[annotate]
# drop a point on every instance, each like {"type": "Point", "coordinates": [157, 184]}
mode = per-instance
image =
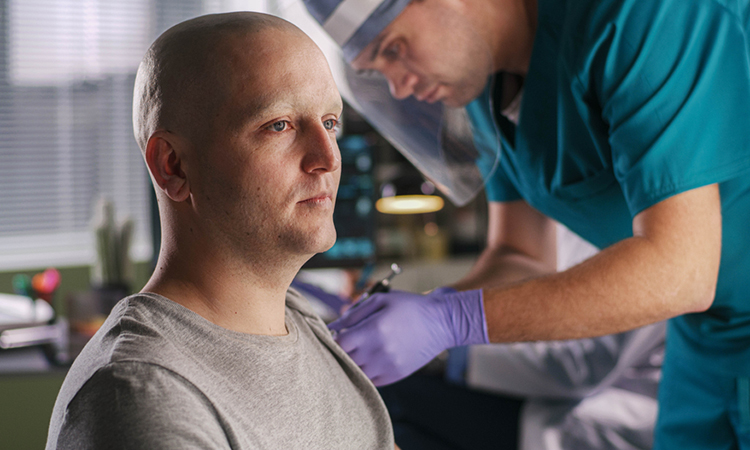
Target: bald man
{"type": "Point", "coordinates": [236, 117]}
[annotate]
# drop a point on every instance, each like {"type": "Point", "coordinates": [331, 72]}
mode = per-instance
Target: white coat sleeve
{"type": "Point", "coordinates": [563, 369]}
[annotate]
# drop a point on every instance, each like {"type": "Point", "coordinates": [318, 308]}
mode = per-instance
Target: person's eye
{"type": "Point", "coordinates": [391, 52]}
{"type": "Point", "coordinates": [368, 73]}
{"type": "Point", "coordinates": [331, 124]}
{"type": "Point", "coordinates": [279, 126]}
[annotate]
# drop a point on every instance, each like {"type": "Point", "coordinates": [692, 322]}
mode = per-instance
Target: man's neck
{"type": "Point", "coordinates": [509, 27]}
{"type": "Point", "coordinates": [241, 296]}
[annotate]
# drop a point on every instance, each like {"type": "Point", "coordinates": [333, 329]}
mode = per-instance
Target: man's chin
{"type": "Point", "coordinates": [463, 95]}
{"type": "Point", "coordinates": [321, 243]}
{"type": "Point", "coordinates": [459, 102]}
{"type": "Point", "coordinates": [329, 244]}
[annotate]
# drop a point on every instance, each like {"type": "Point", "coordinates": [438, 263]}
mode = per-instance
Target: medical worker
{"type": "Point", "coordinates": [633, 131]}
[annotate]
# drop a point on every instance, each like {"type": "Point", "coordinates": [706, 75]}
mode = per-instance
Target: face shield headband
{"type": "Point", "coordinates": [353, 24]}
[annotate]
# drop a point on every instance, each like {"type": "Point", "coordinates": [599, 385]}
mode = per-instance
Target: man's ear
{"type": "Point", "coordinates": [165, 165]}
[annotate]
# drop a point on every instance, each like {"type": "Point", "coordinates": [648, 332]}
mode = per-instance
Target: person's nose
{"type": "Point", "coordinates": [322, 153]}
{"type": "Point", "coordinates": [401, 82]}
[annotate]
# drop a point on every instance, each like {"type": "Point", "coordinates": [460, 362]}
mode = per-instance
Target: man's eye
{"type": "Point", "coordinates": [369, 73]}
{"type": "Point", "coordinates": [330, 124]}
{"type": "Point", "coordinates": [392, 52]}
{"type": "Point", "coordinates": [278, 126]}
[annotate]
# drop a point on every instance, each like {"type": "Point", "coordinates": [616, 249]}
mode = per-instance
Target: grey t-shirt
{"type": "Point", "coordinates": [159, 376]}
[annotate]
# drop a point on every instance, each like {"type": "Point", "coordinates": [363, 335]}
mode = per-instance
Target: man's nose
{"type": "Point", "coordinates": [401, 82]}
{"type": "Point", "coordinates": [322, 152]}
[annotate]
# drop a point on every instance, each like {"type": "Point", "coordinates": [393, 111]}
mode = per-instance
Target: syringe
{"type": "Point", "coordinates": [383, 285]}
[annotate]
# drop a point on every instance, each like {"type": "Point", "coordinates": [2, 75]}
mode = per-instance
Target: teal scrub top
{"type": "Point", "coordinates": [629, 102]}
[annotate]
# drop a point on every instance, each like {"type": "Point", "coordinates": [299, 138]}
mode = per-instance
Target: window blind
{"type": "Point", "coordinates": [67, 69]}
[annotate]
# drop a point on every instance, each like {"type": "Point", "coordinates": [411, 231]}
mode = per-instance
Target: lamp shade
{"type": "Point", "coordinates": [408, 194]}
{"type": "Point", "coordinates": [409, 204]}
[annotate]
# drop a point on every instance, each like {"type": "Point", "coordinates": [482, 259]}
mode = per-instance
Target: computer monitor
{"type": "Point", "coordinates": [354, 215]}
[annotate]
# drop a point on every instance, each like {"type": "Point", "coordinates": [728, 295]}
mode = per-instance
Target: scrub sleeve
{"type": "Point", "coordinates": [627, 103]}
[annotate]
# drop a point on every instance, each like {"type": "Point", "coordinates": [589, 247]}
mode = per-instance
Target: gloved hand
{"type": "Point", "coordinates": [442, 290]}
{"type": "Point", "coordinates": [391, 335]}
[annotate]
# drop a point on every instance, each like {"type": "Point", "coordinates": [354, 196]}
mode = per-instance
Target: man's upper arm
{"type": "Point", "coordinates": [134, 405]}
{"type": "Point", "coordinates": [520, 245]}
{"type": "Point", "coordinates": [686, 228]}
{"type": "Point", "coordinates": [517, 226]}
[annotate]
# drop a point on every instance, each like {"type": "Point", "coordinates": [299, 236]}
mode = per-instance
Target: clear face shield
{"type": "Point", "coordinates": [440, 140]}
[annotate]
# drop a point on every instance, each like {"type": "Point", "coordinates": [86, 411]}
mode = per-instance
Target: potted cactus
{"type": "Point", "coordinates": [112, 272]}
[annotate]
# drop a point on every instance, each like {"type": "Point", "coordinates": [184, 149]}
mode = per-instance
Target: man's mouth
{"type": "Point", "coordinates": [428, 95]}
{"type": "Point", "coordinates": [319, 199]}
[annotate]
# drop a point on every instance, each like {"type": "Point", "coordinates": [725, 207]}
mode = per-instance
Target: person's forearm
{"type": "Point", "coordinates": [502, 266]}
{"type": "Point", "coordinates": [630, 284]}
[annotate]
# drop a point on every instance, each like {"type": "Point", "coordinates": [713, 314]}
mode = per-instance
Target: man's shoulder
{"type": "Point", "coordinates": [126, 379]}
{"type": "Point", "coordinates": [130, 404]}
{"type": "Point", "coordinates": [134, 331]}
{"type": "Point", "coordinates": [631, 21]}
{"type": "Point", "coordinates": [133, 344]}
{"type": "Point", "coordinates": [151, 329]}
{"type": "Point", "coordinates": [141, 327]}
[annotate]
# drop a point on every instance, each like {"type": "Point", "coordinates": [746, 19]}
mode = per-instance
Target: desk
{"type": "Point", "coordinates": [28, 389]}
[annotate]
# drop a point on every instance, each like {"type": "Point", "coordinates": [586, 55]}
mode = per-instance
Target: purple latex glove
{"type": "Point", "coordinates": [391, 335]}
{"type": "Point", "coordinates": [442, 290]}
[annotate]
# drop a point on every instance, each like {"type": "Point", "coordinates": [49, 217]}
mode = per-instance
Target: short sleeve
{"type": "Point", "coordinates": [674, 87]}
{"type": "Point", "coordinates": [132, 405]}
{"type": "Point", "coordinates": [499, 188]}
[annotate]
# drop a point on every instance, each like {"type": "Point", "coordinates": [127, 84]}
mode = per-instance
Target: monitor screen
{"type": "Point", "coordinates": [354, 215]}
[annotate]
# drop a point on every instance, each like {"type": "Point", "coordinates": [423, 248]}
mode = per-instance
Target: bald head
{"type": "Point", "coordinates": [183, 79]}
